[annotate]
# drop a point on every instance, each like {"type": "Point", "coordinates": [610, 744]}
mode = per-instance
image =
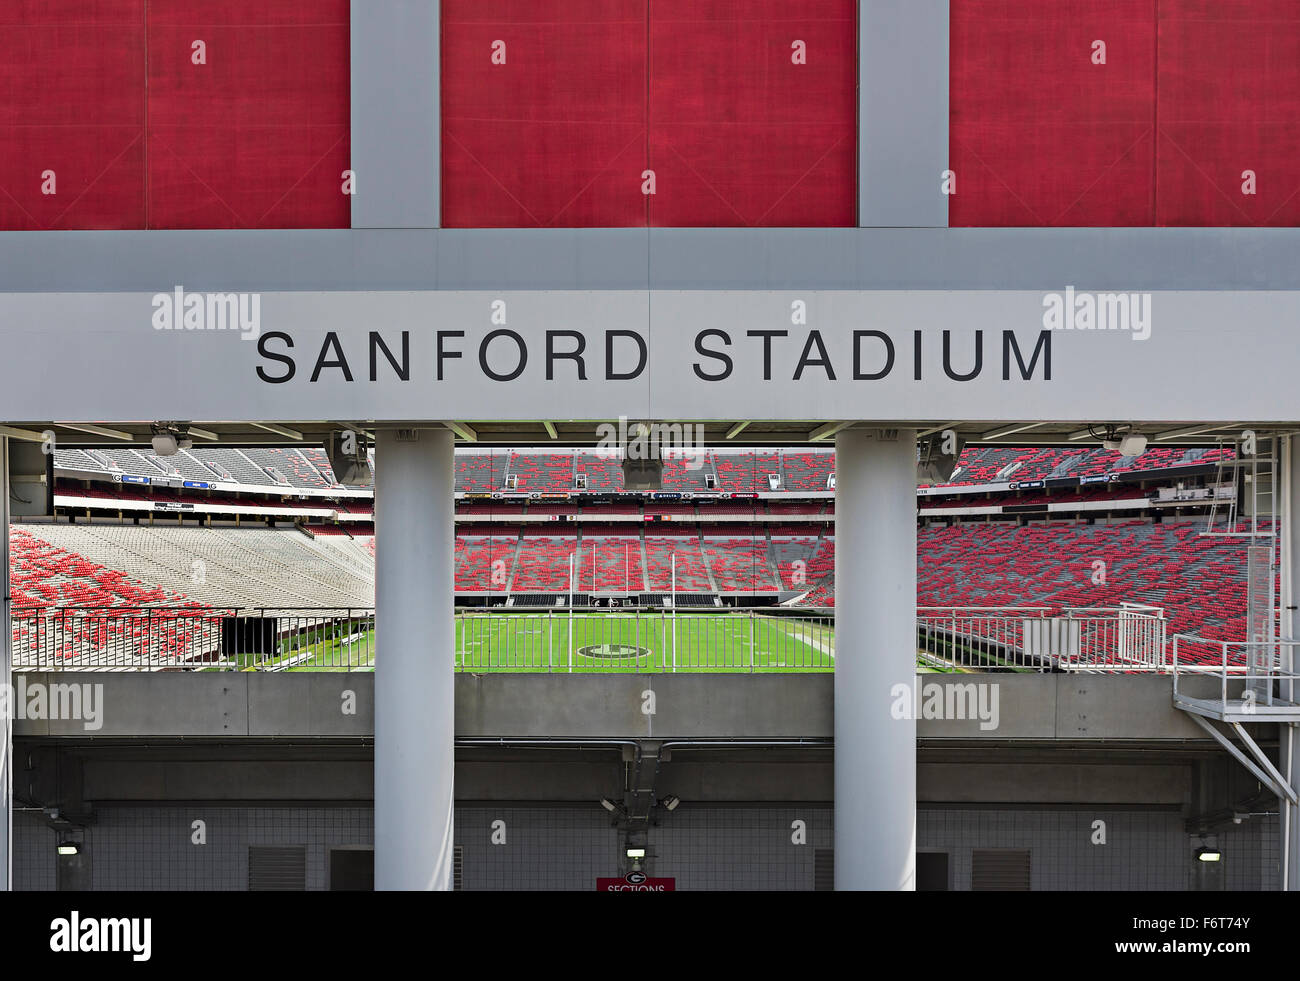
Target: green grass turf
{"type": "Point", "coordinates": [542, 642]}
{"type": "Point", "coordinates": [702, 642]}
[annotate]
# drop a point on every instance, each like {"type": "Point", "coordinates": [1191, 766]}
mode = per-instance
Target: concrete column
{"type": "Point", "coordinates": [415, 635]}
{"type": "Point", "coordinates": [6, 679]}
{"type": "Point", "coordinates": [875, 654]}
{"type": "Point", "coordinates": [1288, 736]}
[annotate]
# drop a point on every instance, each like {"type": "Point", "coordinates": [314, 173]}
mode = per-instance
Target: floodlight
{"type": "Point", "coordinates": [69, 848]}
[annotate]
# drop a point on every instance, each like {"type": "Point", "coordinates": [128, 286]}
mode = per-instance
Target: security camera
{"type": "Point", "coordinates": [165, 444]}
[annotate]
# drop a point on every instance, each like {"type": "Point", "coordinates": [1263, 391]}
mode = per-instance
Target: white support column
{"type": "Point", "coordinates": [415, 636]}
{"type": "Point", "coordinates": [6, 679]}
{"type": "Point", "coordinates": [1288, 734]}
{"type": "Point", "coordinates": [875, 654]}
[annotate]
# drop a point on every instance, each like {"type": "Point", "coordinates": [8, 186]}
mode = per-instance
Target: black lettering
{"type": "Point", "coordinates": [552, 355]}
{"type": "Point", "coordinates": [947, 357]}
{"type": "Point", "coordinates": [441, 354]}
{"type": "Point", "coordinates": [716, 355]}
{"type": "Point", "coordinates": [767, 336]}
{"type": "Point", "coordinates": [1044, 346]}
{"type": "Point", "coordinates": [331, 341]}
{"type": "Point", "coordinates": [814, 337]}
{"type": "Point", "coordinates": [643, 356]}
{"type": "Point", "coordinates": [857, 355]}
{"type": "Point", "coordinates": [377, 344]}
{"type": "Point", "coordinates": [523, 355]}
{"type": "Point", "coordinates": [284, 358]}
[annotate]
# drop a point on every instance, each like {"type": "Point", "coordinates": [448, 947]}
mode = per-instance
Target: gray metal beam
{"type": "Point", "coordinates": [902, 112]}
{"type": "Point", "coordinates": [658, 258]}
{"type": "Point", "coordinates": [396, 113]}
{"type": "Point", "coordinates": [1282, 791]}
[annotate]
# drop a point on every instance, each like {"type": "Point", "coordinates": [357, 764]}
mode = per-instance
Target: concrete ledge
{"type": "Point", "coordinates": [685, 706]}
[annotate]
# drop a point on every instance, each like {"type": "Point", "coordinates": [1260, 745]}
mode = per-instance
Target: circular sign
{"type": "Point", "coordinates": [613, 651]}
{"type": "Point", "coordinates": [636, 878]}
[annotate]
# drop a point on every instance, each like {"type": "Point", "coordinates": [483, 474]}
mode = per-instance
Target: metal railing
{"type": "Point", "coordinates": [156, 638]}
{"type": "Point", "coordinates": [1268, 678]}
{"type": "Point", "coordinates": [1037, 638]}
{"type": "Point", "coordinates": [583, 640]}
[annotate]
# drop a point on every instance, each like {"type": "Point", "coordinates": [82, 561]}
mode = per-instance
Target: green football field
{"type": "Point", "coordinates": [622, 642]}
{"type": "Point", "coordinates": [595, 642]}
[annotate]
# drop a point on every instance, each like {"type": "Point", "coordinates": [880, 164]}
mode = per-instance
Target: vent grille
{"type": "Point", "coordinates": [277, 869]}
{"type": "Point", "coordinates": [824, 870]}
{"type": "Point", "coordinates": [1000, 870]}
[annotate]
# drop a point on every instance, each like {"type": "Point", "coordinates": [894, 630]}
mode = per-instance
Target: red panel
{"type": "Point", "coordinates": [740, 134]}
{"type": "Point", "coordinates": [258, 136]}
{"type": "Point", "coordinates": [1229, 102]}
{"type": "Point", "coordinates": [71, 74]}
{"type": "Point", "coordinates": [1040, 135]}
{"type": "Point", "coordinates": [556, 136]}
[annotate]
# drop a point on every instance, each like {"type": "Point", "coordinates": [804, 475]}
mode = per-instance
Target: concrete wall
{"type": "Point", "coordinates": [686, 706]}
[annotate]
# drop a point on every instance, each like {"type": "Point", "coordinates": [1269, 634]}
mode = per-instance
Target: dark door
{"type": "Point", "coordinates": [931, 871]}
{"type": "Point", "coordinates": [352, 870]}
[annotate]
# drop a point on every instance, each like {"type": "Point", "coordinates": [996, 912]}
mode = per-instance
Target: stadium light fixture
{"type": "Point", "coordinates": [636, 854]}
{"type": "Point", "coordinates": [169, 437]}
{"type": "Point", "coordinates": [69, 848]}
{"type": "Point", "coordinates": [1206, 854]}
{"type": "Point", "coordinates": [1132, 444]}
{"type": "Point", "coordinates": [608, 805]}
{"type": "Point", "coordinates": [1123, 439]}
{"type": "Point", "coordinates": [671, 802]}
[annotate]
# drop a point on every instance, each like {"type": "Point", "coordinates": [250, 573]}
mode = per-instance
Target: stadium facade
{"type": "Point", "coordinates": [895, 226]}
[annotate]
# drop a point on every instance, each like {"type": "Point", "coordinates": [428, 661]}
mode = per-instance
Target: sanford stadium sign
{"type": "Point", "coordinates": [504, 355]}
{"type": "Point", "coordinates": [1015, 355]}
